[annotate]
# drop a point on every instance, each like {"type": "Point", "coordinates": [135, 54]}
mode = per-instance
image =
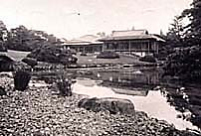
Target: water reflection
{"type": "Point", "coordinates": [128, 78]}
{"type": "Point", "coordinates": [145, 87]}
{"type": "Point", "coordinates": [138, 83]}
{"type": "Point", "coordinates": [154, 103]}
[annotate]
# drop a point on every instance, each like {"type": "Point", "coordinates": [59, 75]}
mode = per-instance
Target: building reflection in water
{"type": "Point", "coordinates": [129, 81]}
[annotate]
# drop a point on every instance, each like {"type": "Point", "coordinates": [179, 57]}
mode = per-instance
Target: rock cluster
{"type": "Point", "coordinates": [39, 112]}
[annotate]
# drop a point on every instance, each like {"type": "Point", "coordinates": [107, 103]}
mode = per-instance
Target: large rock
{"type": "Point", "coordinates": [113, 105]}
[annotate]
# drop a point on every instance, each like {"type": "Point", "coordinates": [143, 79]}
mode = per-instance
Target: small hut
{"type": "Point", "coordinates": [6, 63]}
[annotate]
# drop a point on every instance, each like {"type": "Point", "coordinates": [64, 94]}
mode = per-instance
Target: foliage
{"type": "Point", "coordinates": [23, 39]}
{"type": "Point", "coordinates": [83, 54]}
{"type": "Point", "coordinates": [30, 61]}
{"type": "Point", "coordinates": [185, 61]}
{"type": "Point", "coordinates": [193, 29]}
{"type": "Point", "coordinates": [2, 91]}
{"type": "Point", "coordinates": [3, 36]}
{"type": "Point", "coordinates": [21, 80]}
{"type": "Point", "coordinates": [6, 63]}
{"type": "Point", "coordinates": [53, 54]}
{"type": "Point", "coordinates": [108, 55]}
{"type": "Point", "coordinates": [148, 58]}
{"type": "Point", "coordinates": [64, 86]}
{"type": "Point", "coordinates": [174, 36]}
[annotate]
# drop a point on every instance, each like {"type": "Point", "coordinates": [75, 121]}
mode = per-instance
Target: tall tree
{"type": "Point", "coordinates": [186, 63]}
{"type": "Point", "coordinates": [3, 36]}
{"type": "Point", "coordinates": [23, 39]}
{"type": "Point", "coordinates": [17, 38]}
{"type": "Point", "coordinates": [193, 29]}
{"type": "Point", "coordinates": [175, 34]}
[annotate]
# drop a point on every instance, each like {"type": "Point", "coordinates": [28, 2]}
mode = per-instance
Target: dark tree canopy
{"type": "Point", "coordinates": [193, 29]}
{"type": "Point", "coordinates": [3, 36]}
{"type": "Point", "coordinates": [23, 39]}
{"type": "Point", "coordinates": [185, 62]}
{"type": "Point", "coordinates": [174, 36]}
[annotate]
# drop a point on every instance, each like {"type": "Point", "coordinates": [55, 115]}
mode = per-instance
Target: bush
{"type": "Point", "coordinates": [2, 91]}
{"type": "Point", "coordinates": [64, 86]}
{"type": "Point", "coordinates": [148, 58]}
{"type": "Point", "coordinates": [3, 48]}
{"type": "Point", "coordinates": [185, 64]}
{"type": "Point", "coordinates": [83, 54]}
{"type": "Point", "coordinates": [6, 63]}
{"type": "Point", "coordinates": [30, 61]}
{"type": "Point", "coordinates": [53, 54]}
{"type": "Point", "coordinates": [21, 80]}
{"type": "Point", "coordinates": [108, 55]}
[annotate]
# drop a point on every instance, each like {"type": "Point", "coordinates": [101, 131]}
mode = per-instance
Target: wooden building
{"type": "Point", "coordinates": [132, 41]}
{"type": "Point", "coordinates": [85, 44]}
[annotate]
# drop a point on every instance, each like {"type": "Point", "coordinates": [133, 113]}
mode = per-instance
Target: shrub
{"type": "Point", "coordinates": [64, 86]}
{"type": "Point", "coordinates": [3, 47]}
{"type": "Point", "coordinates": [53, 54]}
{"type": "Point", "coordinates": [83, 54]}
{"type": "Point", "coordinates": [148, 58]}
{"type": "Point", "coordinates": [21, 80]}
{"type": "Point", "coordinates": [108, 55]}
{"type": "Point", "coordinates": [185, 64]}
{"type": "Point", "coordinates": [30, 61]}
{"type": "Point", "coordinates": [2, 91]}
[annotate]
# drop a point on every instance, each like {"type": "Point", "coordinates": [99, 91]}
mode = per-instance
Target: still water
{"type": "Point", "coordinates": [139, 86]}
{"type": "Point", "coordinates": [145, 87]}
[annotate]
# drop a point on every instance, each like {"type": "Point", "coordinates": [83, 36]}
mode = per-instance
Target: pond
{"type": "Point", "coordinates": [145, 87]}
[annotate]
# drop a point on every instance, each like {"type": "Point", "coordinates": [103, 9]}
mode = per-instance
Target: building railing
{"type": "Point", "coordinates": [130, 50]}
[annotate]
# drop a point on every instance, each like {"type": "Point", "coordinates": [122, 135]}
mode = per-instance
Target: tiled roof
{"type": "Point", "coordinates": [85, 40]}
{"type": "Point", "coordinates": [131, 35]}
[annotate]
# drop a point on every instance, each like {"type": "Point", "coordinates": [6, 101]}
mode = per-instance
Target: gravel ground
{"type": "Point", "coordinates": [40, 112]}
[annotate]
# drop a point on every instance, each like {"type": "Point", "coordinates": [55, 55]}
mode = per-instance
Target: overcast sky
{"type": "Point", "coordinates": [74, 18]}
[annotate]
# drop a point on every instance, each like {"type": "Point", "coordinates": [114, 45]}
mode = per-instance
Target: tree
{"type": "Point", "coordinates": [23, 39]}
{"type": "Point", "coordinates": [193, 29]}
{"type": "Point", "coordinates": [3, 31]}
{"type": "Point", "coordinates": [3, 36]}
{"type": "Point", "coordinates": [175, 34]}
{"type": "Point", "coordinates": [186, 62]}
{"type": "Point", "coordinates": [17, 39]}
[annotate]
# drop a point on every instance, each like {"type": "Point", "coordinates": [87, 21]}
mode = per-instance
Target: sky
{"type": "Point", "coordinates": [74, 18]}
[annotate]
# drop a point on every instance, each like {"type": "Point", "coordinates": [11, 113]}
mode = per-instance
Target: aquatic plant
{"type": "Point", "coordinates": [64, 86]}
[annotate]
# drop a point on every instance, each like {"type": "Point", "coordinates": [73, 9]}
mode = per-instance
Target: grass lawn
{"type": "Point", "coordinates": [17, 55]}
{"type": "Point", "coordinates": [124, 59]}
{"type": "Point", "coordinates": [88, 60]}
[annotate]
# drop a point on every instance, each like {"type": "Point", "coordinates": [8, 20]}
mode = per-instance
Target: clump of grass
{"type": "Point", "coordinates": [21, 80]}
{"type": "Point", "coordinates": [64, 86]}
